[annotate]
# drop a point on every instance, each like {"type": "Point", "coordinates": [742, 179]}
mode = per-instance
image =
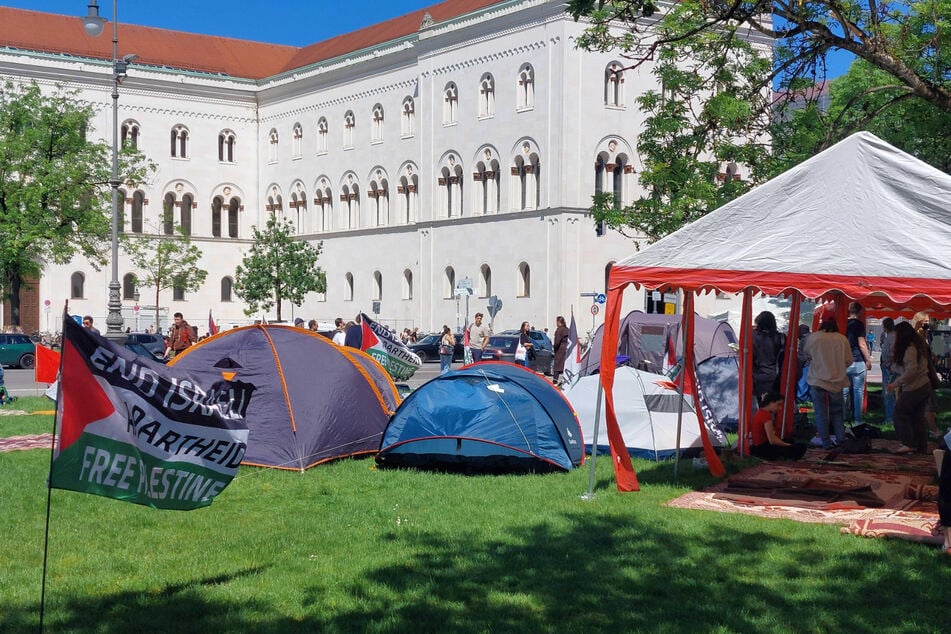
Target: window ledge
{"type": "Point", "coordinates": [611, 106]}
{"type": "Point", "coordinates": [449, 124]}
{"type": "Point", "coordinates": [525, 109]}
{"type": "Point", "coordinates": [376, 142]}
{"type": "Point", "coordinates": [483, 117]}
{"type": "Point", "coordinates": [407, 136]}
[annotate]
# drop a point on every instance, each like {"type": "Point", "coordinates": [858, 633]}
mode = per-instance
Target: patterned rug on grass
{"type": "Point", "coordinates": [875, 494]}
{"type": "Point", "coordinates": [33, 441]}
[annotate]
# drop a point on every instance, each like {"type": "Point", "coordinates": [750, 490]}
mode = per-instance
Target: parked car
{"type": "Point", "coordinates": [427, 348]}
{"type": "Point", "coordinates": [539, 338]}
{"type": "Point", "coordinates": [153, 341]}
{"type": "Point", "coordinates": [502, 348]}
{"type": "Point", "coordinates": [142, 351]}
{"type": "Point", "coordinates": [17, 350]}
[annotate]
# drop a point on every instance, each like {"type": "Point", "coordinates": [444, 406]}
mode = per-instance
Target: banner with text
{"type": "Point", "coordinates": [387, 350]}
{"type": "Point", "coordinates": [133, 429]}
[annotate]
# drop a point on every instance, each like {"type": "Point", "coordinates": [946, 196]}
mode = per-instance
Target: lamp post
{"type": "Point", "coordinates": [94, 24]}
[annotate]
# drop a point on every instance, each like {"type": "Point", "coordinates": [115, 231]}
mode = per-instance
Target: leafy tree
{"type": "Point", "coordinates": [165, 261]}
{"type": "Point", "coordinates": [278, 267]}
{"type": "Point", "coordinates": [55, 202]}
{"type": "Point", "coordinates": [698, 49]}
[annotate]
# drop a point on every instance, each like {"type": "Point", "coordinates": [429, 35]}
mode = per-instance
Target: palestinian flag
{"type": "Point", "coordinates": [378, 342]}
{"type": "Point", "coordinates": [133, 429]}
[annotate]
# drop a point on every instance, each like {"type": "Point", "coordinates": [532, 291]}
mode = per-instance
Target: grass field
{"type": "Point", "coordinates": [348, 548]}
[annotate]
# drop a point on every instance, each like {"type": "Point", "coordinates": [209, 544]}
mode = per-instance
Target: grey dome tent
{"type": "Point", "coordinates": [314, 401]}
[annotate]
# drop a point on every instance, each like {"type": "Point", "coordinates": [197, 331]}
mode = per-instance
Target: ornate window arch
{"type": "Point", "coordinates": [273, 142]}
{"type": "Point", "coordinates": [523, 282]}
{"type": "Point", "coordinates": [408, 118]}
{"type": "Point", "coordinates": [77, 285]}
{"type": "Point", "coordinates": [297, 140]}
{"type": "Point", "coordinates": [226, 140]}
{"type": "Point", "coordinates": [376, 129]}
{"type": "Point", "coordinates": [349, 123]}
{"type": "Point", "coordinates": [450, 108]}
{"type": "Point", "coordinates": [179, 141]}
{"type": "Point", "coordinates": [323, 129]}
{"type": "Point", "coordinates": [486, 96]}
{"type": "Point", "coordinates": [614, 85]}
{"type": "Point", "coordinates": [525, 88]}
{"type": "Point", "coordinates": [130, 133]}
{"type": "Point", "coordinates": [407, 284]}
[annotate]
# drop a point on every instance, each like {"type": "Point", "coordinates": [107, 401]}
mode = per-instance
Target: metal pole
{"type": "Point", "coordinates": [114, 318]}
{"type": "Point", "coordinates": [594, 443]}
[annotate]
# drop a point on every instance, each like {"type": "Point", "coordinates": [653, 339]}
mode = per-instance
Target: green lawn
{"type": "Point", "coordinates": [348, 548]}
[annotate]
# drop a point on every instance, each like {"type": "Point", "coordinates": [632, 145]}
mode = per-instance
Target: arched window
{"type": "Point", "coordinates": [524, 281]}
{"type": "Point", "coordinates": [77, 285]}
{"type": "Point", "coordinates": [350, 202]}
{"type": "Point", "coordinates": [130, 134]}
{"type": "Point", "coordinates": [234, 206]}
{"type": "Point", "coordinates": [621, 168]}
{"type": "Point", "coordinates": [486, 193]}
{"type": "Point", "coordinates": [486, 96]}
{"type": "Point", "coordinates": [379, 202]}
{"type": "Point", "coordinates": [138, 202]}
{"type": "Point", "coordinates": [450, 182]}
{"type": "Point", "coordinates": [377, 124]}
{"type": "Point", "coordinates": [216, 216]}
{"type": "Point", "coordinates": [226, 146]}
{"type": "Point", "coordinates": [186, 214]}
{"type": "Point", "coordinates": [299, 205]}
{"type": "Point", "coordinates": [128, 286]}
{"type": "Point", "coordinates": [485, 281]}
{"type": "Point", "coordinates": [407, 284]}
{"type": "Point", "coordinates": [297, 140]}
{"type": "Point", "coordinates": [324, 202]}
{"type": "Point", "coordinates": [450, 108]}
{"type": "Point", "coordinates": [408, 196]}
{"type": "Point", "coordinates": [179, 142]}
{"type": "Point", "coordinates": [408, 118]}
{"type": "Point", "coordinates": [322, 130]}
{"type": "Point", "coordinates": [377, 285]}
{"type": "Point", "coordinates": [449, 283]}
{"type": "Point", "coordinates": [227, 285]}
{"type": "Point", "coordinates": [272, 146]}
{"type": "Point", "coordinates": [168, 214]}
{"type": "Point", "coordinates": [525, 90]}
{"type": "Point", "coordinates": [525, 182]}
{"type": "Point", "coordinates": [349, 122]}
{"type": "Point", "coordinates": [614, 85]}
{"type": "Point", "coordinates": [348, 287]}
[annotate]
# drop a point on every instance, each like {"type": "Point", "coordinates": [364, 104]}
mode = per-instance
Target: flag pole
{"type": "Point", "coordinates": [49, 488]}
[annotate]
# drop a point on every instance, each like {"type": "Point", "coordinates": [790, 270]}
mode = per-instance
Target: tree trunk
{"type": "Point", "coordinates": [158, 329]}
{"type": "Point", "coordinates": [277, 300]}
{"type": "Point", "coordinates": [13, 283]}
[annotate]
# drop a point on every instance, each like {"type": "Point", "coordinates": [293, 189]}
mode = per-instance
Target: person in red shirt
{"type": "Point", "coordinates": [766, 442]}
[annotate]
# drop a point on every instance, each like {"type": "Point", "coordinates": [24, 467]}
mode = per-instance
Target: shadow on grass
{"type": "Point", "coordinates": [588, 573]}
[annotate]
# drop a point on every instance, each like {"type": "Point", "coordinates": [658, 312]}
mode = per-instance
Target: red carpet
{"type": "Point", "coordinates": [875, 494]}
{"type": "Point", "coordinates": [34, 441]}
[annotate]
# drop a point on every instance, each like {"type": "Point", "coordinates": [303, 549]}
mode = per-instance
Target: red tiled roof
{"type": "Point", "coordinates": [392, 29]}
{"type": "Point", "coordinates": [48, 32]}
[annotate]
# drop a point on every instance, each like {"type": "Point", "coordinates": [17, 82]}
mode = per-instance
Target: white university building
{"type": "Point", "coordinates": [461, 141]}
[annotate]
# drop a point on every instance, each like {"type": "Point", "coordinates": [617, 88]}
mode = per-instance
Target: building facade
{"type": "Point", "coordinates": [458, 146]}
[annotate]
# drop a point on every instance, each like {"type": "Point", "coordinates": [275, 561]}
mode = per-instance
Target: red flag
{"type": "Point", "coordinates": [47, 365]}
{"type": "Point", "coordinates": [212, 326]}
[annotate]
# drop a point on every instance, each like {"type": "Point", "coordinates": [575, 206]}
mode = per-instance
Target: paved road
{"type": "Point", "coordinates": [20, 383]}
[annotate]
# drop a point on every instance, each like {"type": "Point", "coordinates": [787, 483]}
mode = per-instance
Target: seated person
{"type": "Point", "coordinates": [766, 442]}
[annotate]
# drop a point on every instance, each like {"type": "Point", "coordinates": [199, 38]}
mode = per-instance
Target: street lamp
{"type": "Point", "coordinates": [94, 24]}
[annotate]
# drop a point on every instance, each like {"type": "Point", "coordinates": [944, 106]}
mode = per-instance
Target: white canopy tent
{"type": "Point", "coordinates": [860, 221]}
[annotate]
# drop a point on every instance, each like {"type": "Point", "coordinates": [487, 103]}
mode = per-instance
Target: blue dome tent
{"type": "Point", "coordinates": [490, 417]}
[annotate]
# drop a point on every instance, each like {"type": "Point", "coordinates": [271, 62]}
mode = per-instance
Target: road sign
{"type": "Point", "coordinates": [601, 298]}
{"type": "Point", "coordinates": [594, 309]}
{"type": "Point", "coordinates": [495, 305]}
{"type": "Point", "coordinates": [376, 308]}
{"type": "Point", "coordinates": [136, 308]}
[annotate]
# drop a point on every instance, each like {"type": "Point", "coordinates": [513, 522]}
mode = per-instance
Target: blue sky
{"type": "Point", "coordinates": [296, 23]}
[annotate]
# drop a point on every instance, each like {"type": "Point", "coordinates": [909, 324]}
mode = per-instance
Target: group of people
{"type": "Point", "coordinates": [180, 335]}
{"type": "Point", "coordinates": [835, 367]}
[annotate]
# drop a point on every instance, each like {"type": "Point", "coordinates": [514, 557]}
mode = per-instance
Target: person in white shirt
{"type": "Point", "coordinates": [340, 335]}
{"type": "Point", "coordinates": [479, 334]}
{"type": "Point", "coordinates": [829, 355]}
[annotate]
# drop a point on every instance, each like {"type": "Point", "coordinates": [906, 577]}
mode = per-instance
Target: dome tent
{"type": "Point", "coordinates": [489, 417]}
{"type": "Point", "coordinates": [314, 401]}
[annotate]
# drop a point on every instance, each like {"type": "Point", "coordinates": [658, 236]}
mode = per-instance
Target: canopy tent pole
{"type": "Point", "coordinates": [789, 376]}
{"type": "Point", "coordinates": [690, 381]}
{"type": "Point", "coordinates": [746, 368]}
{"type": "Point", "coordinates": [594, 443]}
{"type": "Point", "coordinates": [623, 468]}
{"type": "Point", "coordinates": [680, 388]}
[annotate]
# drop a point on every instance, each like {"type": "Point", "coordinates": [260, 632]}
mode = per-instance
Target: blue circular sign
{"type": "Point", "coordinates": [601, 298]}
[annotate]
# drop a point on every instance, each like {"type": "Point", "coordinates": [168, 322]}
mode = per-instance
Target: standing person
{"type": "Point", "coordinates": [885, 345]}
{"type": "Point", "coordinates": [353, 335]}
{"type": "Point", "coordinates": [769, 346]}
{"type": "Point", "coordinates": [861, 362]}
{"type": "Point", "coordinates": [560, 345]}
{"type": "Point", "coordinates": [479, 334]}
{"type": "Point", "coordinates": [830, 354]}
{"type": "Point", "coordinates": [525, 340]}
{"type": "Point", "coordinates": [340, 334]}
{"type": "Point", "coordinates": [912, 353]}
{"type": "Point", "coordinates": [922, 323]}
{"type": "Point", "coordinates": [766, 442]}
{"type": "Point", "coordinates": [447, 345]}
{"type": "Point", "coordinates": [180, 337]}
{"type": "Point", "coordinates": [87, 324]}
